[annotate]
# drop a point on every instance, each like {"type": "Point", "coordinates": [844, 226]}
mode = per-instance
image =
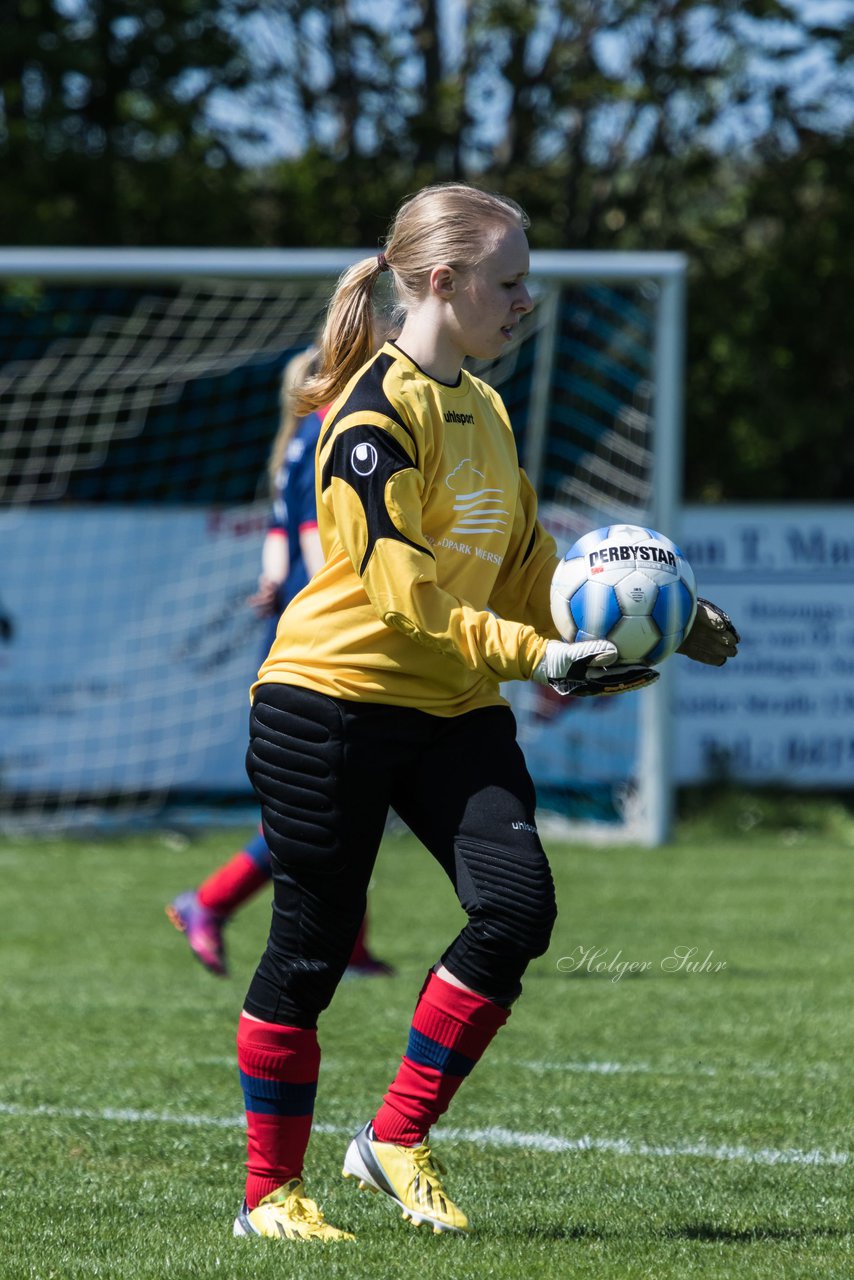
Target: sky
{"type": "Point", "coordinates": [822, 93]}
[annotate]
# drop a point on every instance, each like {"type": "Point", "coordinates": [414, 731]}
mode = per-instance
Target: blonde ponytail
{"type": "Point", "coordinates": [348, 338]}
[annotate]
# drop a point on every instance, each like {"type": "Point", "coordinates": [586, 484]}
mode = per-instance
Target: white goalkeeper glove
{"type": "Point", "coordinates": [589, 669]}
{"type": "Point", "coordinates": [712, 638]}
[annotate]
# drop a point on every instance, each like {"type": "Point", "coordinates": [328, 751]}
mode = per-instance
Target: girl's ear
{"type": "Point", "coordinates": [443, 281]}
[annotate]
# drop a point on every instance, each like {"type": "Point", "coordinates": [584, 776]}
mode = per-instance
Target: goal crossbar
{"type": "Point", "coordinates": [246, 264]}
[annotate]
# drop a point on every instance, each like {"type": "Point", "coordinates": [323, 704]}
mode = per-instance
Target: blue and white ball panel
{"type": "Point", "coordinates": [674, 609]}
{"type": "Point", "coordinates": [635, 637]}
{"type": "Point", "coordinates": [588, 542]}
{"type": "Point", "coordinates": [686, 576]}
{"type": "Point", "coordinates": [637, 591]}
{"type": "Point", "coordinates": [595, 611]}
{"type": "Point", "coordinates": [673, 614]}
{"type": "Point", "coordinates": [570, 574]}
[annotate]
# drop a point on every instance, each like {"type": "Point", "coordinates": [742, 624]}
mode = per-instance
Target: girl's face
{"type": "Point", "coordinates": [492, 297]}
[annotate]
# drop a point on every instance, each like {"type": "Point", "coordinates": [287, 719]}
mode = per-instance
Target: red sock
{"type": "Point", "coordinates": [231, 884]}
{"type": "Point", "coordinates": [450, 1030]}
{"type": "Point", "coordinates": [360, 953]}
{"type": "Point", "coordinates": [278, 1074]}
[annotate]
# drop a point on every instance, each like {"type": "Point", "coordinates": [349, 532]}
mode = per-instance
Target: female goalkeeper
{"type": "Point", "coordinates": [382, 689]}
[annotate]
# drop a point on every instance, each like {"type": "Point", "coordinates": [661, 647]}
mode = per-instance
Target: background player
{"type": "Point", "coordinates": [291, 554]}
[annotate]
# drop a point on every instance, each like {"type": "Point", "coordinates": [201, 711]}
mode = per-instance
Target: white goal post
{"type": "Point", "coordinates": [138, 401]}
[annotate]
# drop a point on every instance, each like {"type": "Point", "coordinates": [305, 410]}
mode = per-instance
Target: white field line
{"type": "Point", "coordinates": [491, 1137]}
{"type": "Point", "coordinates": [571, 1068]}
{"type": "Point", "coordinates": [645, 1069]}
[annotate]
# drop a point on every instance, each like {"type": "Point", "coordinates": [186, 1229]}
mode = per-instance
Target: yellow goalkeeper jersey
{"type": "Point", "coordinates": [436, 582]}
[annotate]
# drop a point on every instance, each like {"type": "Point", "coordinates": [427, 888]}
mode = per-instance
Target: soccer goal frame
{"type": "Point", "coordinates": [653, 496]}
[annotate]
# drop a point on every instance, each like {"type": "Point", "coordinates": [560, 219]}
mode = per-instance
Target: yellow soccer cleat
{"type": "Point", "coordinates": [407, 1175]}
{"type": "Point", "coordinates": [287, 1214]}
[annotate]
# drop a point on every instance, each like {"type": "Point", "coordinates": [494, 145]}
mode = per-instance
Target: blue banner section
{"type": "Point", "coordinates": [783, 711]}
{"type": "Point", "coordinates": [130, 648]}
{"type": "Point", "coordinates": [127, 649]}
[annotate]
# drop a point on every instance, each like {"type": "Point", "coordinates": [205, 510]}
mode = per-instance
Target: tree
{"type": "Point", "coordinates": [715, 128]}
{"type": "Point", "coordinates": [615, 117]}
{"type": "Point", "coordinates": [770, 377]}
{"type": "Point", "coordinates": [105, 134]}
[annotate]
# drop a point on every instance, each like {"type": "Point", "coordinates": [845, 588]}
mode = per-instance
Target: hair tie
{"type": "Point", "coordinates": [382, 265]}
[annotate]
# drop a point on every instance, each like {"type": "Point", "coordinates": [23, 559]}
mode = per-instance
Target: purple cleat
{"type": "Point", "coordinates": [203, 929]}
{"type": "Point", "coordinates": [368, 966]}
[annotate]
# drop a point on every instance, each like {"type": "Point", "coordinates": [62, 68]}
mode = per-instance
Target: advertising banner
{"type": "Point", "coordinates": [783, 711]}
{"type": "Point", "coordinates": [127, 650]}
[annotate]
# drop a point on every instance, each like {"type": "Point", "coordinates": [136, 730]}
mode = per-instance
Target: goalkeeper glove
{"type": "Point", "coordinates": [589, 669]}
{"type": "Point", "coordinates": [713, 638]}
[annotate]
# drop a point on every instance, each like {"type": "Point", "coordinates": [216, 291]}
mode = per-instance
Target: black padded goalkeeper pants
{"type": "Point", "coordinates": [327, 771]}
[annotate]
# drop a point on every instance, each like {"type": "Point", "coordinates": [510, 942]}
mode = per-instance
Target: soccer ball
{"type": "Point", "coordinates": [629, 585]}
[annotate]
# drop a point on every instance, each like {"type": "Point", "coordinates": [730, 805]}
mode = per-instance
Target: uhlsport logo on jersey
{"type": "Point", "coordinates": [608, 557]}
{"type": "Point", "coordinates": [478, 508]}
{"type": "Point", "coordinates": [363, 459]}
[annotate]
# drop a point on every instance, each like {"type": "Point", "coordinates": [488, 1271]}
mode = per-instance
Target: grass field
{"type": "Point", "coordinates": [663, 1124]}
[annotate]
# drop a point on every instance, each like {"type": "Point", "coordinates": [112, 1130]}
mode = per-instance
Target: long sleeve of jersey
{"type": "Point", "coordinates": [373, 491]}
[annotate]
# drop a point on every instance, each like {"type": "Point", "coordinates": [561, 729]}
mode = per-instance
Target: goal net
{"type": "Point", "coordinates": [139, 397]}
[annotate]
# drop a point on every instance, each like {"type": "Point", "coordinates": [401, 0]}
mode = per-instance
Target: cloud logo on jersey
{"type": "Point", "coordinates": [477, 508]}
{"type": "Point", "coordinates": [363, 459]}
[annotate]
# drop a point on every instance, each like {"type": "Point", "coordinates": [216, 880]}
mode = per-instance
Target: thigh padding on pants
{"type": "Point", "coordinates": [294, 762]}
{"type": "Point", "coordinates": [509, 892]}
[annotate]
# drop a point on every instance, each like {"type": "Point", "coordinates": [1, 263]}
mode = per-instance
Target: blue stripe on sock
{"type": "Point", "coordinates": [426, 1052]}
{"type": "Point", "coordinates": [259, 852]}
{"type": "Point", "coordinates": [277, 1097]}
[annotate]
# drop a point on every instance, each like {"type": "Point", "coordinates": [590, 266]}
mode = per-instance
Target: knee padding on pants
{"type": "Point", "coordinates": [509, 897]}
{"type": "Point", "coordinates": [296, 989]}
